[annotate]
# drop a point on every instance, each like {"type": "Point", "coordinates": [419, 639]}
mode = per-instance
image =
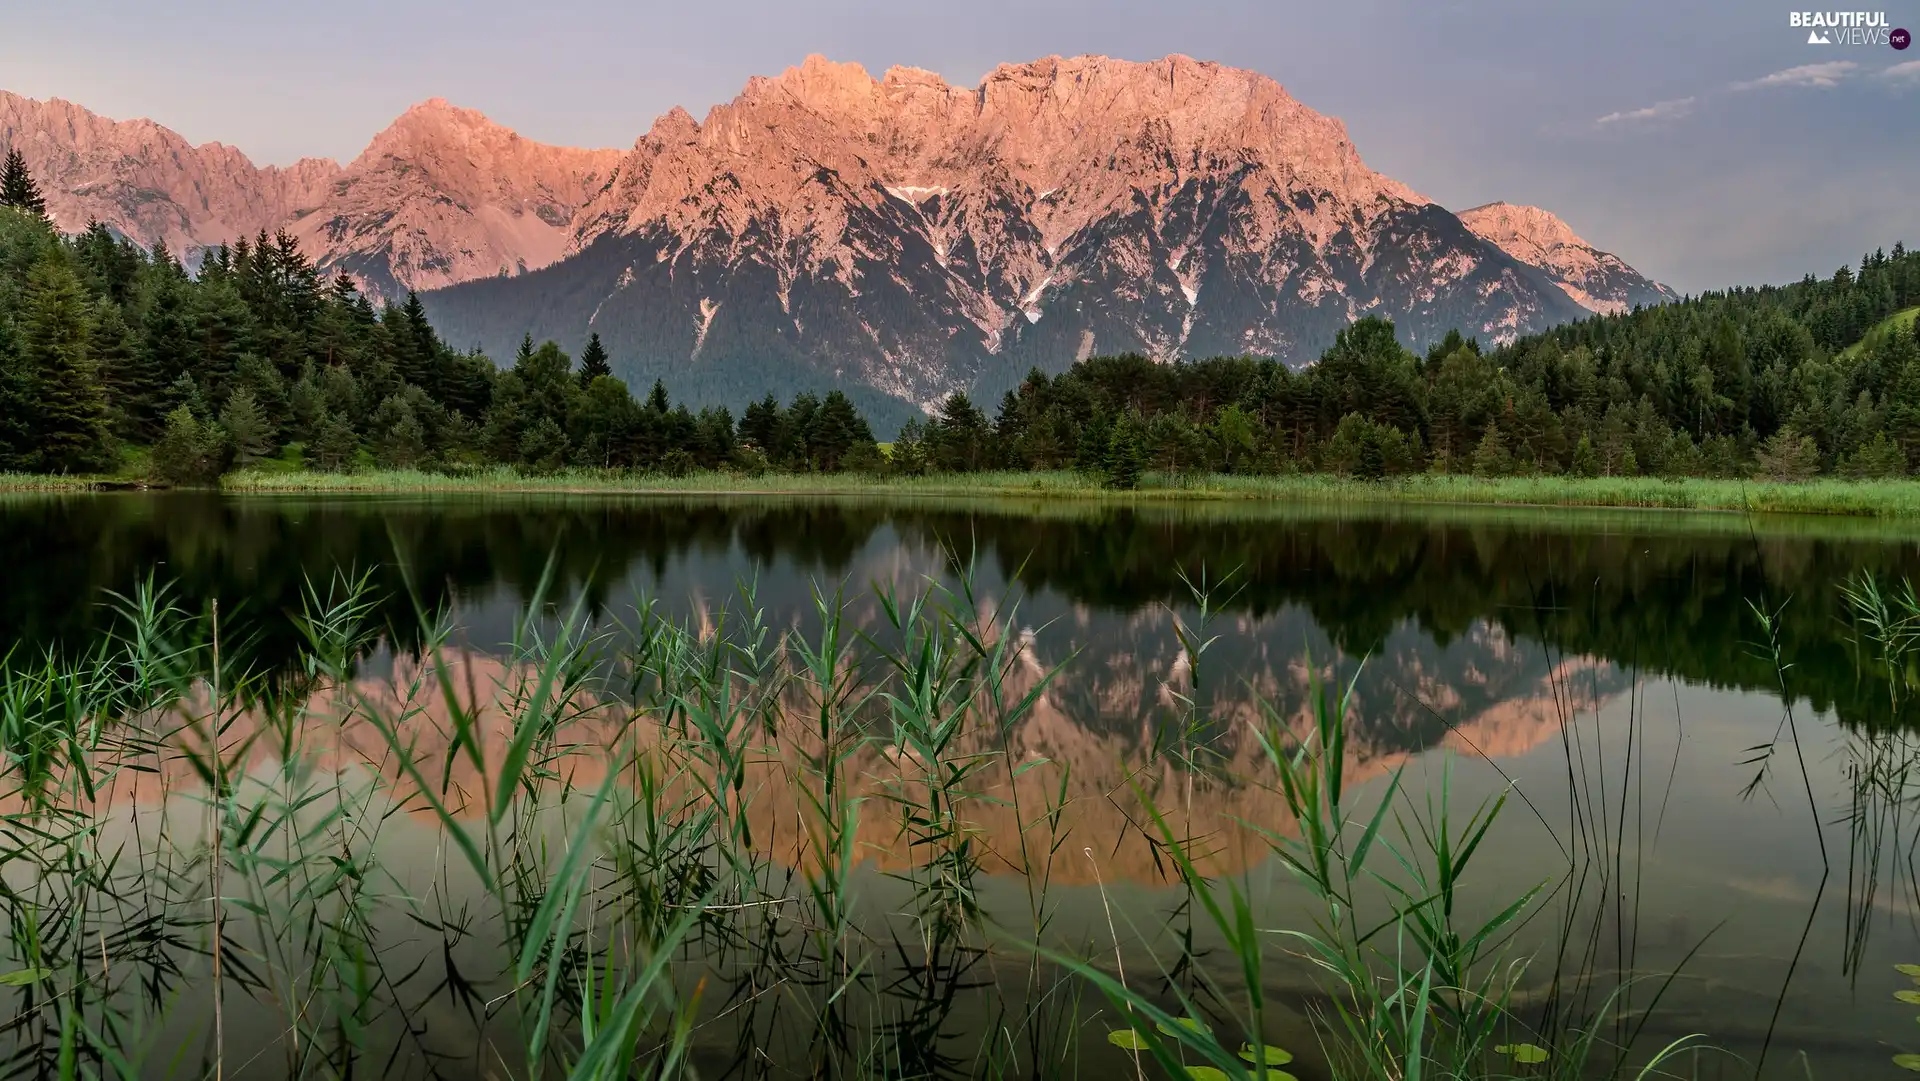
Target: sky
{"type": "Point", "coordinates": [1704, 141]}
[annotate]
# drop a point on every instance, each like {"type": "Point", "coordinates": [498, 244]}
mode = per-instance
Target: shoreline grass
{"type": "Point", "coordinates": [54, 482]}
{"type": "Point", "coordinates": [1896, 499]}
{"type": "Point", "coordinates": [1869, 498]}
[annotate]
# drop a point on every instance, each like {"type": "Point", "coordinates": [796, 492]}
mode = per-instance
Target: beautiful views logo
{"type": "Point", "coordinates": [1846, 27]}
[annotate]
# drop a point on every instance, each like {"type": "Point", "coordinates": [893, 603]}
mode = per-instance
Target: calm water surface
{"type": "Point", "coordinates": [1693, 806]}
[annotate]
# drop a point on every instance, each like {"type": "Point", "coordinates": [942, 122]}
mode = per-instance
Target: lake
{"type": "Point", "coordinates": [1708, 776]}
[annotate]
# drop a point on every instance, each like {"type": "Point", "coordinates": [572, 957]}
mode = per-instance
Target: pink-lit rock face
{"type": "Point", "coordinates": [443, 195]}
{"type": "Point", "coordinates": [1598, 280]}
{"type": "Point", "coordinates": [149, 183]}
{"type": "Point", "coordinates": [1013, 189]}
{"type": "Point", "coordinates": [901, 231]}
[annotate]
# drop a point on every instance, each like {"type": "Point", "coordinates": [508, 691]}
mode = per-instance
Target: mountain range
{"type": "Point", "coordinates": [899, 237]}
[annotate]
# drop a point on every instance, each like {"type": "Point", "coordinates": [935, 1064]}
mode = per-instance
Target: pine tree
{"type": "Point", "coordinates": [70, 425]}
{"type": "Point", "coordinates": [418, 348]}
{"type": "Point", "coordinates": [188, 451]}
{"type": "Point", "coordinates": [163, 354]}
{"type": "Point", "coordinates": [1788, 456]}
{"type": "Point", "coordinates": [833, 433]}
{"type": "Point", "coordinates": [400, 440]}
{"type": "Point", "coordinates": [1586, 463]}
{"type": "Point", "coordinates": [760, 424]}
{"type": "Point", "coordinates": [184, 391]}
{"type": "Point", "coordinates": [1879, 457]}
{"type": "Point", "coordinates": [17, 398]}
{"type": "Point", "coordinates": [544, 448]}
{"type": "Point", "coordinates": [248, 430]}
{"type": "Point", "coordinates": [593, 361]}
{"type": "Point", "coordinates": [335, 444]}
{"type": "Point", "coordinates": [17, 186]}
{"type": "Point", "coordinates": [131, 394]}
{"type": "Point", "coordinates": [1126, 456]}
{"type": "Point", "coordinates": [1491, 458]}
{"type": "Point", "coordinates": [403, 445]}
{"type": "Point", "coordinates": [657, 400]}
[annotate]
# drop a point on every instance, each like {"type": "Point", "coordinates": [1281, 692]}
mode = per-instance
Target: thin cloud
{"type": "Point", "coordinates": [1908, 72]}
{"type": "Point", "coordinates": [1659, 110]}
{"type": "Point", "coordinates": [1819, 76]}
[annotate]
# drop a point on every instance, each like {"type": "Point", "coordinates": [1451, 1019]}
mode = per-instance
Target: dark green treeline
{"type": "Point", "coordinates": [107, 350]}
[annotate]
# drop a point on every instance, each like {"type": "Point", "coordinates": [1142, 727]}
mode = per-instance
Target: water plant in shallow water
{"type": "Point", "coordinates": [642, 841]}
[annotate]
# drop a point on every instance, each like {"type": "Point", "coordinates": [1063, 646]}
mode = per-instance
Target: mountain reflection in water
{"type": "Point", "coordinates": [1601, 670]}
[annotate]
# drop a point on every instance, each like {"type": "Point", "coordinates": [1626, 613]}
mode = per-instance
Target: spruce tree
{"type": "Point", "coordinates": [832, 434]}
{"type": "Point", "coordinates": [248, 430]}
{"type": "Point", "coordinates": [1491, 458]}
{"type": "Point", "coordinates": [400, 440]}
{"type": "Point", "coordinates": [760, 424]}
{"type": "Point", "coordinates": [1126, 456]}
{"type": "Point", "coordinates": [544, 448]}
{"type": "Point", "coordinates": [418, 348]}
{"type": "Point", "coordinates": [17, 186]}
{"type": "Point", "coordinates": [132, 394]}
{"type": "Point", "coordinates": [165, 351]}
{"type": "Point", "coordinates": [1586, 463]}
{"type": "Point", "coordinates": [334, 445]}
{"type": "Point", "coordinates": [188, 452]}
{"type": "Point", "coordinates": [70, 423]}
{"type": "Point", "coordinates": [1788, 456]}
{"type": "Point", "coordinates": [593, 361]}
{"type": "Point", "coordinates": [17, 396]}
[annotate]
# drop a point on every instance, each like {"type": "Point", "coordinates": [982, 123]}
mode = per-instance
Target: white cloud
{"type": "Point", "coordinates": [1821, 76]}
{"type": "Point", "coordinates": [1824, 76]}
{"type": "Point", "coordinates": [1908, 72]}
{"type": "Point", "coordinates": [1659, 110]}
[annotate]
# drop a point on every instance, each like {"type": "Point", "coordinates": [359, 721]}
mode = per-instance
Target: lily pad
{"type": "Point", "coordinates": [1527, 1053]}
{"type": "Point", "coordinates": [24, 977]}
{"type": "Point", "coordinates": [1908, 970]}
{"type": "Point", "coordinates": [1275, 1056]}
{"type": "Point", "coordinates": [1206, 1073]}
{"type": "Point", "coordinates": [1907, 1062]}
{"type": "Point", "coordinates": [1187, 1023]}
{"type": "Point", "coordinates": [1127, 1038]}
{"type": "Point", "coordinates": [1909, 996]}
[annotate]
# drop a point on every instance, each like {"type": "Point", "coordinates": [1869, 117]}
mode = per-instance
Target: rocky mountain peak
{"type": "Point", "coordinates": [444, 195]}
{"type": "Point", "coordinates": [1599, 281]}
{"type": "Point", "coordinates": [147, 182]}
{"type": "Point", "coordinates": [902, 235]}
{"type": "Point", "coordinates": [676, 125]}
{"type": "Point", "coordinates": [1538, 233]}
{"type": "Point", "coordinates": [911, 237]}
{"type": "Point", "coordinates": [820, 84]}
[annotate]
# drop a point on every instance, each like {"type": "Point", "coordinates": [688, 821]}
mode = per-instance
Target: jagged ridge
{"type": "Point", "coordinates": [1598, 281]}
{"type": "Point", "coordinates": [898, 236]}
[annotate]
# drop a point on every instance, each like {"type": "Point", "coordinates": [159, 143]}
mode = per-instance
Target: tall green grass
{"type": "Point", "coordinates": [1825, 496]}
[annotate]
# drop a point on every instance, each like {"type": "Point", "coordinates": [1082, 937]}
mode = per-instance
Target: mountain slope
{"type": "Point", "coordinates": [1598, 281]}
{"type": "Point", "coordinates": [148, 182]}
{"type": "Point", "coordinates": [915, 237]}
{"type": "Point", "coordinates": [443, 195]}
{"type": "Point", "coordinates": [899, 237]}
